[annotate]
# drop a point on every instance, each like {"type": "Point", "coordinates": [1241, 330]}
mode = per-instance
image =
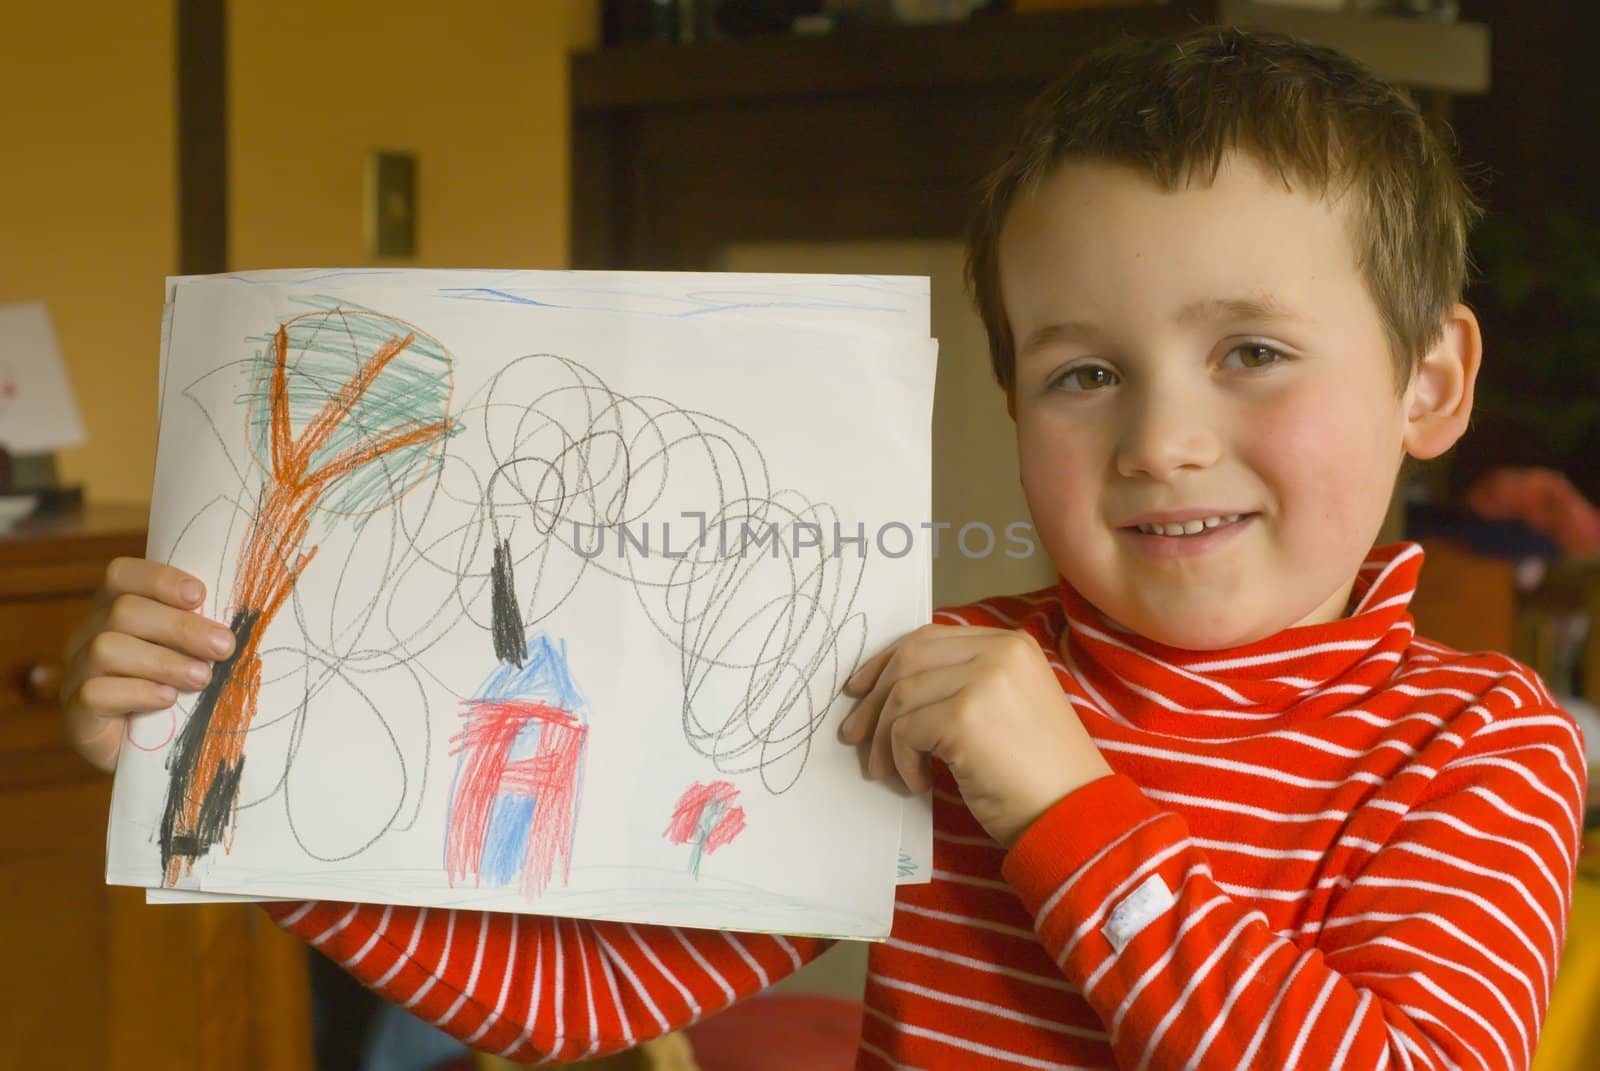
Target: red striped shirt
{"type": "Point", "coordinates": [1343, 846]}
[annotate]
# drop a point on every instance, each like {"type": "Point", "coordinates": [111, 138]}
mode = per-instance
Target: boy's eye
{"type": "Point", "coordinates": [1254, 355]}
{"type": "Point", "coordinates": [1087, 377]}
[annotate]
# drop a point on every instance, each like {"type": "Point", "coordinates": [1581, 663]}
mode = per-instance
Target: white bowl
{"type": "Point", "coordinates": [15, 506]}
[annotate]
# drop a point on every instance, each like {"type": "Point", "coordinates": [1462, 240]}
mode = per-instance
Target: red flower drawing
{"type": "Point", "coordinates": [706, 817]}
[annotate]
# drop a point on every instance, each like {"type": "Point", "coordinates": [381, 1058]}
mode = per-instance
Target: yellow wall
{"type": "Point", "coordinates": [88, 203]}
{"type": "Point", "coordinates": [477, 91]}
{"type": "Point", "coordinates": [88, 213]}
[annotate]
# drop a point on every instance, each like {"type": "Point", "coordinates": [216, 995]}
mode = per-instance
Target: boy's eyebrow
{"type": "Point", "coordinates": [1066, 331]}
{"type": "Point", "coordinates": [1262, 307]}
{"type": "Point", "coordinates": [1258, 308]}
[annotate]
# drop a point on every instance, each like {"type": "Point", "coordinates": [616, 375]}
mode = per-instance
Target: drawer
{"type": "Point", "coordinates": [32, 748]}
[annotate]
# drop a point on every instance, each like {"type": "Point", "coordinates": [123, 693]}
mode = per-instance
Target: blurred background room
{"type": "Point", "coordinates": [150, 138]}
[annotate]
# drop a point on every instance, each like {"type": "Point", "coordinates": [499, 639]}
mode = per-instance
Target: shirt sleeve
{"type": "Point", "coordinates": [533, 987]}
{"type": "Point", "coordinates": [1438, 950]}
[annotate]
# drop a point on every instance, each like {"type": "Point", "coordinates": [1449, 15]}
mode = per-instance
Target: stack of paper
{"type": "Point", "coordinates": [544, 586]}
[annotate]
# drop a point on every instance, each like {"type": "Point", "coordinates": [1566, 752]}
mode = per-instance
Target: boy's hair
{"type": "Point", "coordinates": [1173, 107]}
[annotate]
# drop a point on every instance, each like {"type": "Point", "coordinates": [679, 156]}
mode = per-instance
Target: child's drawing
{"type": "Point", "coordinates": [514, 803]}
{"type": "Point", "coordinates": [705, 818]}
{"type": "Point", "coordinates": [383, 487]}
{"type": "Point", "coordinates": [588, 470]}
{"type": "Point", "coordinates": [345, 412]}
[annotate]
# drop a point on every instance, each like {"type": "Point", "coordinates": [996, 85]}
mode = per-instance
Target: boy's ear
{"type": "Point", "coordinates": [1438, 401]}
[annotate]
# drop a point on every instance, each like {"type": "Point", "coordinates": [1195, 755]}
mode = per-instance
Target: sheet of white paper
{"type": "Point", "coordinates": [392, 620]}
{"type": "Point", "coordinates": [888, 304]}
{"type": "Point", "coordinates": [37, 410]}
{"type": "Point", "coordinates": [189, 896]}
{"type": "Point", "coordinates": [916, 841]}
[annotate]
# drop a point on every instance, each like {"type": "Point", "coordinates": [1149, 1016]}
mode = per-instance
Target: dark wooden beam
{"type": "Point", "coordinates": [202, 81]}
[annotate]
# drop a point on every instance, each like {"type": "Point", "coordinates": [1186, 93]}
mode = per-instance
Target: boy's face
{"type": "Point", "coordinates": [1203, 354]}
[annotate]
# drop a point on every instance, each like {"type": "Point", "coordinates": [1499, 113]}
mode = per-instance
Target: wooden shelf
{"type": "Point", "coordinates": [1447, 57]}
{"type": "Point", "coordinates": [998, 49]}
{"type": "Point", "coordinates": [873, 132]}
{"type": "Point", "coordinates": [871, 59]}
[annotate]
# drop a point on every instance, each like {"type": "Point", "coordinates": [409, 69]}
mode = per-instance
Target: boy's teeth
{"type": "Point", "coordinates": [1193, 527]}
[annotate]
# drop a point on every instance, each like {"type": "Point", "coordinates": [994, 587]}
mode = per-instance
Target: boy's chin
{"type": "Point", "coordinates": [1199, 628]}
{"type": "Point", "coordinates": [1208, 614]}
{"type": "Point", "coordinates": [1202, 627]}
{"type": "Point", "coordinates": [1210, 636]}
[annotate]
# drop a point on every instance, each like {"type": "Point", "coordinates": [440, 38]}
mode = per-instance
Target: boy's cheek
{"type": "Point", "coordinates": [1057, 505]}
{"type": "Point", "coordinates": [1338, 452]}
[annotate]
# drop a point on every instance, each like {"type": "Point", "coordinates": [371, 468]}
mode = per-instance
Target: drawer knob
{"type": "Point", "coordinates": [42, 683]}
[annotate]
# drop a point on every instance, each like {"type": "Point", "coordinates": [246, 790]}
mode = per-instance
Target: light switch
{"type": "Point", "coordinates": [392, 204]}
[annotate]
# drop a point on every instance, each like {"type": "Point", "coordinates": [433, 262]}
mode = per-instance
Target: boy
{"type": "Point", "coordinates": [1209, 802]}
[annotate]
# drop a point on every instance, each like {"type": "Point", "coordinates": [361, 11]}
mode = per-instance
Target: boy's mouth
{"type": "Point", "coordinates": [1191, 527]}
{"type": "Point", "coordinates": [1186, 535]}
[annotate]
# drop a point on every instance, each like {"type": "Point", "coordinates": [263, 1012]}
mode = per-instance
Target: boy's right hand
{"type": "Point", "coordinates": [140, 646]}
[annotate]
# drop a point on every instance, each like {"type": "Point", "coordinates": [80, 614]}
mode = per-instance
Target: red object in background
{"type": "Point", "coordinates": [1544, 500]}
{"type": "Point", "coordinates": [780, 1032]}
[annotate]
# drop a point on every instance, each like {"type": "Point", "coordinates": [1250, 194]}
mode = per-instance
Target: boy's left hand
{"type": "Point", "coordinates": [985, 701]}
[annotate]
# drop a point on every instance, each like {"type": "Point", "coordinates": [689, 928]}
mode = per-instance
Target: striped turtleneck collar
{"type": "Point", "coordinates": [1297, 675]}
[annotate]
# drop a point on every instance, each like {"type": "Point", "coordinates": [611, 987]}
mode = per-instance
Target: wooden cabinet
{"type": "Point", "coordinates": [93, 977]}
{"type": "Point", "coordinates": [1464, 600]}
{"type": "Point", "coordinates": [879, 133]}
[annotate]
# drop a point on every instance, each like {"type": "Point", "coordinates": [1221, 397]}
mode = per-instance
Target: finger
{"type": "Point", "coordinates": [117, 654]}
{"type": "Point", "coordinates": [904, 700]}
{"type": "Point", "coordinates": [96, 713]}
{"type": "Point", "coordinates": [858, 724]}
{"type": "Point", "coordinates": [870, 684]}
{"type": "Point", "coordinates": [916, 736]}
{"type": "Point", "coordinates": [101, 747]}
{"type": "Point", "coordinates": [929, 647]}
{"type": "Point", "coordinates": [135, 577]}
{"type": "Point", "coordinates": [187, 637]}
{"type": "Point", "coordinates": [944, 636]}
{"type": "Point", "coordinates": [866, 676]}
{"type": "Point", "coordinates": [153, 580]}
{"type": "Point", "coordinates": [112, 698]}
{"type": "Point", "coordinates": [160, 623]}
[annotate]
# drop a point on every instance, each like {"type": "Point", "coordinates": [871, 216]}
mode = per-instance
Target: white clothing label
{"type": "Point", "coordinates": [1139, 907]}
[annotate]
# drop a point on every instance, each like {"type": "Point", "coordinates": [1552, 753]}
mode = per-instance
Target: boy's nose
{"type": "Point", "coordinates": [1163, 437]}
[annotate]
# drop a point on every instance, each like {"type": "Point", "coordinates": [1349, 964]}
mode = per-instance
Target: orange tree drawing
{"type": "Point", "coordinates": [347, 411]}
